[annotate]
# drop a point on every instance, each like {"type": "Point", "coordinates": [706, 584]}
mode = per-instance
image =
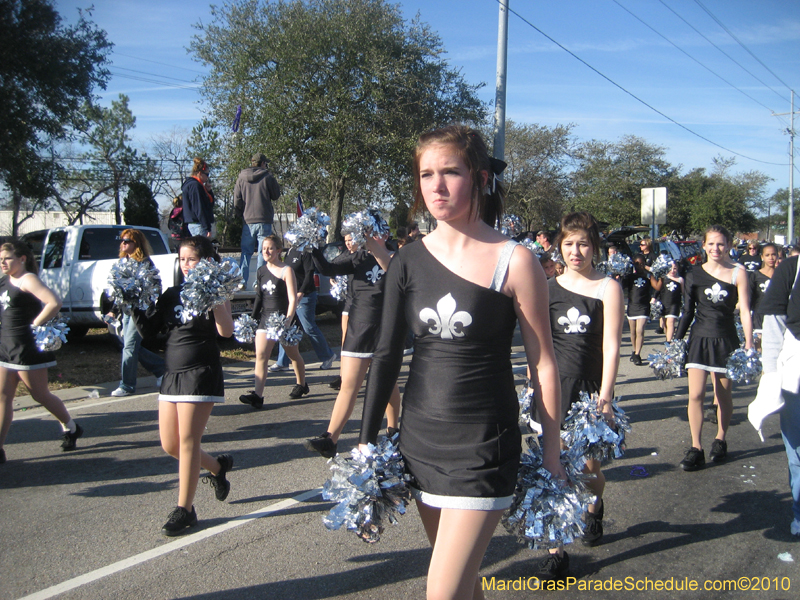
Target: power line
{"type": "Point", "coordinates": [730, 33]}
{"type": "Point", "coordinates": [155, 75]}
{"type": "Point", "coordinates": [635, 97]}
{"type": "Point", "coordinates": [658, 33]}
{"type": "Point", "coordinates": [157, 82]}
{"type": "Point", "coordinates": [159, 63]}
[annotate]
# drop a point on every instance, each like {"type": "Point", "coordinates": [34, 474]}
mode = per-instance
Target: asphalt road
{"type": "Point", "coordinates": [86, 524]}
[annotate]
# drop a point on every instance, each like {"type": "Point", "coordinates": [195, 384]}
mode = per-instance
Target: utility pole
{"type": "Point", "coordinates": [500, 87]}
{"type": "Point", "coordinates": [790, 216]}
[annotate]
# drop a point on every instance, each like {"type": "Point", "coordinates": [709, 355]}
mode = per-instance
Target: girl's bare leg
{"type": "Point", "coordinates": [298, 364]}
{"type": "Point", "coordinates": [697, 393]}
{"type": "Point", "coordinates": [263, 351]}
{"type": "Point", "coordinates": [459, 539]}
{"type": "Point", "coordinates": [724, 399]}
{"type": "Point", "coordinates": [8, 387]}
{"type": "Point", "coordinates": [353, 371]}
{"type": "Point", "coordinates": [36, 382]}
{"type": "Point", "coordinates": [393, 409]}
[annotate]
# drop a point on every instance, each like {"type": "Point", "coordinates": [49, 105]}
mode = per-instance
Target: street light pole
{"type": "Point", "coordinates": [500, 89]}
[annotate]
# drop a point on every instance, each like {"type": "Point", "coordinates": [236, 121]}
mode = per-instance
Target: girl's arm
{"type": "Point", "coordinates": [743, 286]}
{"type": "Point", "coordinates": [341, 265]}
{"type": "Point", "coordinates": [52, 304]}
{"type": "Point", "coordinates": [612, 339]}
{"type": "Point", "coordinates": [291, 292]}
{"type": "Point", "coordinates": [527, 285]}
{"type": "Point", "coordinates": [656, 283]}
{"type": "Point", "coordinates": [377, 247]}
{"type": "Point", "coordinates": [223, 319]}
{"type": "Point", "coordinates": [688, 309]}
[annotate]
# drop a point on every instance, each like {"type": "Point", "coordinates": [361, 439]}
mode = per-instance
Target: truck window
{"type": "Point", "coordinates": [156, 242]}
{"type": "Point", "coordinates": [99, 244]}
{"type": "Point", "coordinates": [54, 251]}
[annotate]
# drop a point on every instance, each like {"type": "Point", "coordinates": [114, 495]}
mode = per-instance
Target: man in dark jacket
{"type": "Point", "coordinates": [253, 194]}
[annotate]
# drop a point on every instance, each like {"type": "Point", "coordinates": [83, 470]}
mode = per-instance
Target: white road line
{"type": "Point", "coordinates": [182, 542]}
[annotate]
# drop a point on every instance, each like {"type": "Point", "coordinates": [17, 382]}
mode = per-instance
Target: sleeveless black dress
{"type": "Point", "coordinates": [272, 297]}
{"type": "Point", "coordinates": [577, 325]}
{"type": "Point", "coordinates": [639, 293]}
{"type": "Point", "coordinates": [18, 350]}
{"type": "Point", "coordinates": [711, 303]}
{"type": "Point", "coordinates": [194, 371]}
{"type": "Point", "coordinates": [459, 434]}
{"type": "Point", "coordinates": [758, 287]}
{"type": "Point", "coordinates": [672, 298]}
{"type": "Point", "coordinates": [364, 313]}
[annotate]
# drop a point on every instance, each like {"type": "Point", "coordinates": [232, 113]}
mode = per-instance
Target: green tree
{"type": "Point", "coordinates": [47, 70]}
{"type": "Point", "coordinates": [537, 179]}
{"type": "Point", "coordinates": [109, 164]}
{"type": "Point", "coordinates": [141, 207]}
{"type": "Point", "coordinates": [340, 88]}
{"type": "Point", "coordinates": [610, 176]}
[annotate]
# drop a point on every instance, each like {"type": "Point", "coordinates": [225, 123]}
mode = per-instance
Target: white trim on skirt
{"type": "Point", "coordinates": [14, 367]}
{"type": "Point", "coordinates": [705, 368]}
{"type": "Point", "coordinates": [189, 398]}
{"type": "Point", "coordinates": [357, 354]}
{"type": "Point", "coordinates": [461, 502]}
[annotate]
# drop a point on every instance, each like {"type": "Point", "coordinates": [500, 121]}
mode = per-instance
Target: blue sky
{"type": "Point", "coordinates": [546, 85]}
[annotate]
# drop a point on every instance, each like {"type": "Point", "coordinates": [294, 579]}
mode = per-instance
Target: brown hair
{"type": "Point", "coordinates": [468, 144]}
{"type": "Point", "coordinates": [199, 166]}
{"type": "Point", "coordinates": [22, 250]}
{"type": "Point", "coordinates": [275, 239]}
{"type": "Point", "coordinates": [719, 229]}
{"type": "Point", "coordinates": [580, 221]}
{"type": "Point", "coordinates": [200, 244]}
{"type": "Point", "coordinates": [143, 249]}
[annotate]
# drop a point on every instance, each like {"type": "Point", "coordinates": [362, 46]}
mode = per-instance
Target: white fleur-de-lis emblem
{"type": "Point", "coordinates": [445, 320]}
{"type": "Point", "coordinates": [715, 293]}
{"type": "Point", "coordinates": [639, 283]}
{"type": "Point", "coordinates": [269, 286]}
{"type": "Point", "coordinates": [374, 276]}
{"type": "Point", "coordinates": [672, 286]}
{"type": "Point", "coordinates": [763, 285]}
{"type": "Point", "coordinates": [295, 259]}
{"type": "Point", "coordinates": [4, 299]}
{"type": "Point", "coordinates": [574, 322]}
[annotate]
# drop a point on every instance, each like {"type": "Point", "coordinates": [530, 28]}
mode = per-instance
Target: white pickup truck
{"type": "Point", "coordinates": [75, 261]}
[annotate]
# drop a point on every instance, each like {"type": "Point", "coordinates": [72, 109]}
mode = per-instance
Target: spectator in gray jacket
{"type": "Point", "coordinates": [253, 194]}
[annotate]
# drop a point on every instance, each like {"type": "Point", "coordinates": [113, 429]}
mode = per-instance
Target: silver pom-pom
{"type": "Point", "coordinates": [50, 335]}
{"type": "Point", "coordinates": [668, 364]}
{"type": "Point", "coordinates": [133, 284]}
{"type": "Point", "coordinates": [209, 284]}
{"type": "Point", "coordinates": [618, 264]}
{"type": "Point", "coordinates": [588, 434]}
{"type": "Point", "coordinates": [546, 512]}
{"type": "Point", "coordinates": [370, 489]}
{"type": "Point", "coordinates": [661, 266]}
{"type": "Point", "coordinates": [744, 365]}
{"type": "Point", "coordinates": [364, 224]}
{"type": "Point", "coordinates": [309, 230]}
{"type": "Point", "coordinates": [244, 329]}
{"type": "Point", "coordinates": [533, 246]}
{"type": "Point", "coordinates": [276, 330]}
{"type": "Point", "coordinates": [656, 310]}
{"type": "Point", "coordinates": [555, 255]}
{"type": "Point", "coordinates": [339, 287]}
{"type": "Point", "coordinates": [510, 225]}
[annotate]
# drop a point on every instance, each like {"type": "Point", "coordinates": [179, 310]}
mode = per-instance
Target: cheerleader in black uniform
{"type": "Point", "coordinates": [276, 293]}
{"type": "Point", "coordinates": [191, 386]}
{"type": "Point", "coordinates": [26, 301]}
{"type": "Point", "coordinates": [351, 246]}
{"type": "Point", "coordinates": [672, 299]}
{"type": "Point", "coordinates": [586, 311]}
{"type": "Point", "coordinates": [461, 290]}
{"type": "Point", "coordinates": [367, 266]}
{"type": "Point", "coordinates": [640, 291]}
{"type": "Point", "coordinates": [759, 282]}
{"type": "Point", "coordinates": [713, 292]}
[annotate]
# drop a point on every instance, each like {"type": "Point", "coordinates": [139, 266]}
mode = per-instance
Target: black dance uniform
{"type": "Point", "coordinates": [639, 293]}
{"type": "Point", "coordinates": [671, 298]}
{"type": "Point", "coordinates": [713, 335]}
{"type": "Point", "coordinates": [459, 435]}
{"type": "Point", "coordinates": [194, 371]}
{"type": "Point", "coordinates": [758, 287]}
{"type": "Point", "coordinates": [18, 309]}
{"type": "Point", "coordinates": [364, 315]}
{"type": "Point", "coordinates": [577, 325]}
{"type": "Point", "coordinates": [272, 297]}
{"type": "Point", "coordinates": [751, 263]}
